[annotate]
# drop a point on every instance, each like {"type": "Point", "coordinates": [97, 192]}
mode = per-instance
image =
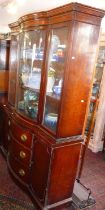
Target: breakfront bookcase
{"type": "Point", "coordinates": [56, 56]}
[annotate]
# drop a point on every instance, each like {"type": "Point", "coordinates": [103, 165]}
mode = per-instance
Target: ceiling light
{"type": "Point", "coordinates": [12, 8]}
{"type": "Point", "coordinates": [20, 2]}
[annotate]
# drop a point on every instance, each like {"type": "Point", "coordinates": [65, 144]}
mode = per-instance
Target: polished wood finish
{"type": "Point", "coordinates": [21, 134]}
{"type": "Point", "coordinates": [19, 170]}
{"type": "Point", "coordinates": [4, 78]}
{"type": "Point", "coordinates": [23, 154]}
{"type": "Point", "coordinates": [46, 160]}
{"type": "Point", "coordinates": [58, 180]}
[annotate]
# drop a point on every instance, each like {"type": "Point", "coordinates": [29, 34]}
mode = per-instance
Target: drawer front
{"type": "Point", "coordinates": [24, 136]}
{"type": "Point", "coordinates": [20, 152]}
{"type": "Point", "coordinates": [18, 170]}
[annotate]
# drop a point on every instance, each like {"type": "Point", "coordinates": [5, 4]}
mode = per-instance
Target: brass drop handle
{"type": "Point", "coordinates": [23, 137]}
{"type": "Point", "coordinates": [9, 138]}
{"type": "Point", "coordinates": [22, 154]}
{"type": "Point", "coordinates": [22, 172]}
{"type": "Point", "coordinates": [9, 123]}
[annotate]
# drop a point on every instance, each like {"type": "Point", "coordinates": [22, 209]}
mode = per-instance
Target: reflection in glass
{"type": "Point", "coordinates": [55, 76]}
{"type": "Point", "coordinates": [30, 66]}
{"type": "Point", "coordinates": [12, 71]}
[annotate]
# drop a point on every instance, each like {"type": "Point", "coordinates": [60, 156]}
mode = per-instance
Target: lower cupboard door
{"type": "Point", "coordinates": [40, 168]}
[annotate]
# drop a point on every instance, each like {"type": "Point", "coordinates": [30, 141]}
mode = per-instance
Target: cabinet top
{"type": "Point", "coordinates": [68, 12]}
{"type": "Point", "coordinates": [14, 27]}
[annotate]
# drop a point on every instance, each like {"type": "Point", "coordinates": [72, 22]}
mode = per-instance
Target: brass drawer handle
{"type": "Point", "coordinates": [9, 122]}
{"type": "Point", "coordinates": [23, 137]}
{"type": "Point", "coordinates": [22, 154]}
{"type": "Point", "coordinates": [22, 172]}
{"type": "Point", "coordinates": [9, 138]}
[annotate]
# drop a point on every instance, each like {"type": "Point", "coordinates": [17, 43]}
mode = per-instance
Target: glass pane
{"type": "Point", "coordinates": [13, 71]}
{"type": "Point", "coordinates": [56, 64]}
{"type": "Point", "coordinates": [30, 66]}
{"type": "Point", "coordinates": [3, 48]}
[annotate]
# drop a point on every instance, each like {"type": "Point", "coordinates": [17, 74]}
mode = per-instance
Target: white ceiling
{"type": "Point", "coordinates": [22, 7]}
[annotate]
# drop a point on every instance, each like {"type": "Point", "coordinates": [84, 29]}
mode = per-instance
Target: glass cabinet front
{"type": "Point", "coordinates": [56, 67]}
{"type": "Point", "coordinates": [31, 54]}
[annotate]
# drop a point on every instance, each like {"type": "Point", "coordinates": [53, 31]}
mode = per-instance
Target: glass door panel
{"type": "Point", "coordinates": [56, 66]}
{"type": "Point", "coordinates": [30, 66]}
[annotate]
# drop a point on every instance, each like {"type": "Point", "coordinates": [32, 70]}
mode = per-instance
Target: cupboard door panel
{"type": "Point", "coordinates": [40, 168]}
{"type": "Point", "coordinates": [63, 172]}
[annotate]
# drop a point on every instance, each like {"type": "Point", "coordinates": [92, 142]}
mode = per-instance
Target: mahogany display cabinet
{"type": "Point", "coordinates": [56, 56]}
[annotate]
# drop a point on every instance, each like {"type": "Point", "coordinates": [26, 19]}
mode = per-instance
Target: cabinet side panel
{"type": "Point", "coordinates": [63, 172]}
{"type": "Point", "coordinates": [78, 79]}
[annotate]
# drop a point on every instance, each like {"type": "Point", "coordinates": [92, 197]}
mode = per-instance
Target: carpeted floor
{"type": "Point", "coordinates": [8, 187]}
{"type": "Point", "coordinates": [8, 203]}
{"type": "Point", "coordinates": [93, 176]}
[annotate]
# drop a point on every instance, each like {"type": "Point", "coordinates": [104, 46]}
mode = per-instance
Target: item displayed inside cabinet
{"type": "Point", "coordinates": [29, 103]}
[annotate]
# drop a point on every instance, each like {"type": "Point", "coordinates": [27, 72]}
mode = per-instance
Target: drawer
{"type": "Point", "coordinates": [24, 136]}
{"type": "Point", "coordinates": [18, 170]}
{"type": "Point", "coordinates": [20, 152]}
